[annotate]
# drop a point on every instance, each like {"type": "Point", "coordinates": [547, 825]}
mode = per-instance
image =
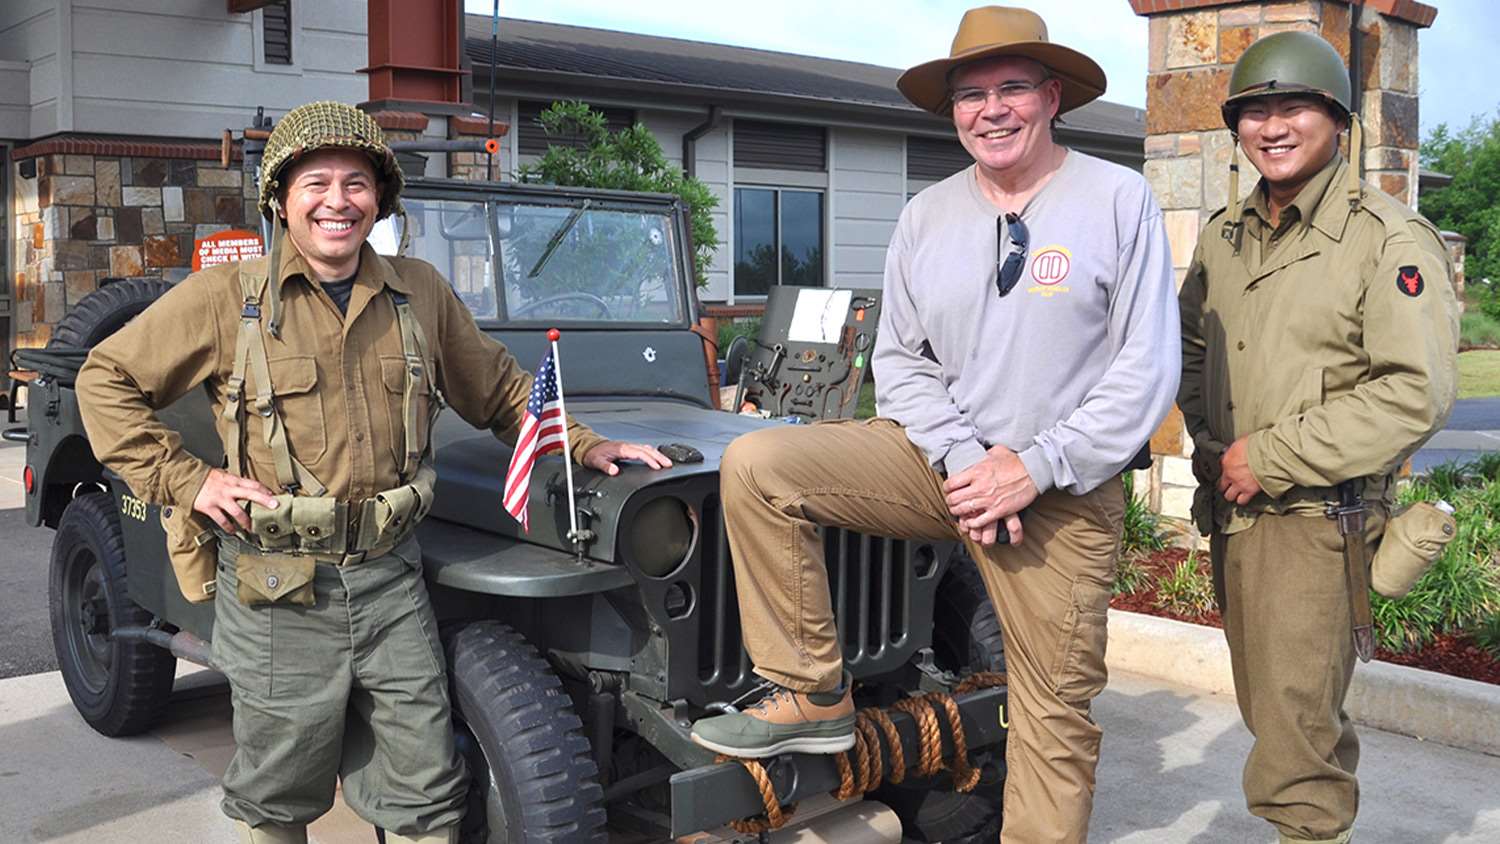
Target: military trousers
{"type": "Point", "coordinates": [1051, 592]}
{"type": "Point", "coordinates": [1281, 589]}
{"type": "Point", "coordinates": [352, 688]}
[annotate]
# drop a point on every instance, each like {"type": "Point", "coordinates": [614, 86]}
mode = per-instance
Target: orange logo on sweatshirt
{"type": "Point", "coordinates": [1049, 267]}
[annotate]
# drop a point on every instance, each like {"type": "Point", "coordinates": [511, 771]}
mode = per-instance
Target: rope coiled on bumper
{"type": "Point", "coordinates": [861, 769]}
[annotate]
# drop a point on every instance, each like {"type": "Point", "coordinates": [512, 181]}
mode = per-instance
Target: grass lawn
{"type": "Point", "coordinates": [1479, 374]}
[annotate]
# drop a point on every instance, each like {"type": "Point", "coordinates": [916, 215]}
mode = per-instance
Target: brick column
{"type": "Point", "coordinates": [1193, 47]}
{"type": "Point", "coordinates": [473, 166]}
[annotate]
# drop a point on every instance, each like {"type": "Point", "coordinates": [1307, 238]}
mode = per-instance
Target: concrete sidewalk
{"type": "Point", "coordinates": [1170, 773]}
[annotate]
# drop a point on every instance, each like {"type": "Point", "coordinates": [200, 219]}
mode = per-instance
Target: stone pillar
{"type": "Point", "coordinates": [89, 209]}
{"type": "Point", "coordinates": [1193, 47]}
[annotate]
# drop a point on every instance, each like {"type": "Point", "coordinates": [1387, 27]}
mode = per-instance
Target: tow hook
{"type": "Point", "coordinates": [927, 664]}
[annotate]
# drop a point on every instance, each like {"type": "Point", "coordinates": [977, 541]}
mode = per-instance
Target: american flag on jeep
{"type": "Point", "coordinates": [542, 431]}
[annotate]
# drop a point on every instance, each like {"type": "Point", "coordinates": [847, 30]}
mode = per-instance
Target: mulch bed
{"type": "Point", "coordinates": [1452, 655]}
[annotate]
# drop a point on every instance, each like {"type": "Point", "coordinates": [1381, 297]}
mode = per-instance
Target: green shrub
{"type": "Point", "coordinates": [747, 327]}
{"type": "Point", "coordinates": [629, 159]}
{"type": "Point", "coordinates": [1188, 591]}
{"type": "Point", "coordinates": [1477, 328]}
{"type": "Point", "coordinates": [1130, 576]}
{"type": "Point", "coordinates": [1143, 531]}
{"type": "Point", "coordinates": [1487, 635]}
{"type": "Point", "coordinates": [1462, 589]}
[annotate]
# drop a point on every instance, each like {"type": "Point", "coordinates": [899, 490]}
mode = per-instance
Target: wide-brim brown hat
{"type": "Point", "coordinates": [991, 31]}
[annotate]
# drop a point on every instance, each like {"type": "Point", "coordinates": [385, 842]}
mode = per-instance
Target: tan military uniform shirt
{"type": "Point", "coordinates": [1330, 340]}
{"type": "Point", "coordinates": [339, 379]}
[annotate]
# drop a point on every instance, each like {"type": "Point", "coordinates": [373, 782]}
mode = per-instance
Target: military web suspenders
{"type": "Point", "coordinates": [250, 351]}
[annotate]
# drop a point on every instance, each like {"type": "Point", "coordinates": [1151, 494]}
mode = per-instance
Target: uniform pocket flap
{"type": "Point", "coordinates": [275, 578]}
{"type": "Point", "coordinates": [295, 374]}
{"type": "Point", "coordinates": [393, 373]}
{"type": "Point", "coordinates": [272, 526]}
{"type": "Point", "coordinates": [314, 520]}
{"type": "Point", "coordinates": [394, 508]}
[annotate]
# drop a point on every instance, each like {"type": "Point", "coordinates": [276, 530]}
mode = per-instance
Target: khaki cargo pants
{"type": "Point", "coordinates": [1280, 587]}
{"type": "Point", "coordinates": [1051, 592]}
{"type": "Point", "coordinates": [353, 687]}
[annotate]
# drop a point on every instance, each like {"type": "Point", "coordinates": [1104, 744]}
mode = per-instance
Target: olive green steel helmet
{"type": "Point", "coordinates": [1288, 63]}
{"type": "Point", "coordinates": [325, 125]}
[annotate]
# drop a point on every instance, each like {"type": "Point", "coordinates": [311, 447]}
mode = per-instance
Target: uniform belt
{"type": "Point", "coordinates": [243, 545]}
{"type": "Point", "coordinates": [334, 536]}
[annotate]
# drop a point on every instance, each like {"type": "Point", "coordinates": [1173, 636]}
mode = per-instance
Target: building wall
{"type": "Point", "coordinates": [712, 153]}
{"type": "Point", "coordinates": [867, 197]}
{"type": "Point", "coordinates": [167, 68]}
{"type": "Point", "coordinates": [189, 69]}
{"type": "Point", "coordinates": [30, 38]}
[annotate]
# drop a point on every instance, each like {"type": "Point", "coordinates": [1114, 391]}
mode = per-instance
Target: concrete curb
{"type": "Point", "coordinates": [1409, 701]}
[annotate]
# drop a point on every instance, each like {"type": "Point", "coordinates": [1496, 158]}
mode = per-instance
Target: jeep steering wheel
{"type": "Point", "coordinates": [580, 295]}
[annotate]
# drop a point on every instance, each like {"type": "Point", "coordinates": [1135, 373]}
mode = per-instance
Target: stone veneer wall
{"type": "Point", "coordinates": [1193, 47]}
{"type": "Point", "coordinates": [94, 209]}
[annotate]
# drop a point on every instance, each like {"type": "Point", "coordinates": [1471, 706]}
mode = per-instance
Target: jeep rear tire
{"type": "Point", "coordinates": [533, 774]}
{"type": "Point", "coordinates": [117, 685]}
{"type": "Point", "coordinates": [966, 638]}
{"type": "Point", "coordinates": [104, 311]}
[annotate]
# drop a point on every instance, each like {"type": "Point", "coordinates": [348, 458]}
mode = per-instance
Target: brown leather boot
{"type": "Point", "coordinates": [784, 721]}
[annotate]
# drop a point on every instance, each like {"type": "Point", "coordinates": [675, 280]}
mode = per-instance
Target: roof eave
{"type": "Point", "coordinates": [560, 84]}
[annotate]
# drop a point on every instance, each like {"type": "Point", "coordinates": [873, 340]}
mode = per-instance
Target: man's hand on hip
{"type": "Point", "coordinates": [1236, 482]}
{"type": "Point", "coordinates": [993, 490]}
{"type": "Point", "coordinates": [604, 456]}
{"type": "Point", "coordinates": [220, 498]}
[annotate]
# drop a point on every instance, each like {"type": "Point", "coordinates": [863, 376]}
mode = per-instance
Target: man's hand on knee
{"type": "Point", "coordinates": [993, 490]}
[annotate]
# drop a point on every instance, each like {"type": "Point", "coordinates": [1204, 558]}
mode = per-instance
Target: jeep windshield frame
{"type": "Point", "coordinates": [570, 258]}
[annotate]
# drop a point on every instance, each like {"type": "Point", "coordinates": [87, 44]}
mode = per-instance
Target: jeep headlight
{"type": "Point", "coordinates": [661, 536]}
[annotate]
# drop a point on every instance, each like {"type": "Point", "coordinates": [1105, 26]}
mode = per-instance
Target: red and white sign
{"type": "Point", "coordinates": [226, 247]}
{"type": "Point", "coordinates": [1051, 265]}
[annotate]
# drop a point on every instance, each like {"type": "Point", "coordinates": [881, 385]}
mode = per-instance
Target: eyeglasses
{"type": "Point", "coordinates": [1008, 269]}
{"type": "Point", "coordinates": [1010, 94]}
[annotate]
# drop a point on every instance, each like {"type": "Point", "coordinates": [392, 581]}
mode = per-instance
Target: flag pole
{"type": "Point", "coordinates": [573, 535]}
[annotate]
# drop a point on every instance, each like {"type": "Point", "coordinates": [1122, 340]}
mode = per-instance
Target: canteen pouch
{"type": "Point", "coordinates": [275, 579]}
{"type": "Point", "coordinates": [273, 527]}
{"type": "Point", "coordinates": [1413, 541]}
{"type": "Point", "coordinates": [315, 522]}
{"type": "Point", "coordinates": [193, 549]}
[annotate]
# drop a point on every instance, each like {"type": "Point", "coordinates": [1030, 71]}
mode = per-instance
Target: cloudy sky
{"type": "Point", "coordinates": [900, 33]}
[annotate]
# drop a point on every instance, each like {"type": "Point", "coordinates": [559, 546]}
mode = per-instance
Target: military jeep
{"type": "Point", "coordinates": [576, 669]}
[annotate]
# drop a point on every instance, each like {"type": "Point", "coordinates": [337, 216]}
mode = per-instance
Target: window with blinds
{"type": "Point", "coordinates": [934, 159]}
{"type": "Point", "coordinates": [276, 23]}
{"type": "Point", "coordinates": [780, 146]}
{"type": "Point", "coordinates": [531, 140]}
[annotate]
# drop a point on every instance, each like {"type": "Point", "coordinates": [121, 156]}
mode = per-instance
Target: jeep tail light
{"type": "Point", "coordinates": [30, 478]}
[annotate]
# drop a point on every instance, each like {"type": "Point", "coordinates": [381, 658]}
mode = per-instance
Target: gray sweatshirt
{"type": "Point", "coordinates": [1074, 369]}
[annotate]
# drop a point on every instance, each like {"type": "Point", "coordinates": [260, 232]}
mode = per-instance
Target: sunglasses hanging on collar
{"type": "Point", "coordinates": [1008, 269]}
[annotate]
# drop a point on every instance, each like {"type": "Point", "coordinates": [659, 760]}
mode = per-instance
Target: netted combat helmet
{"type": "Point", "coordinates": [327, 125]}
{"type": "Point", "coordinates": [1288, 63]}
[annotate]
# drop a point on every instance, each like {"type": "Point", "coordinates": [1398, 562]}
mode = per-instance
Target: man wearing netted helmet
{"type": "Point", "coordinates": [326, 365]}
{"type": "Point", "coordinates": [1319, 337]}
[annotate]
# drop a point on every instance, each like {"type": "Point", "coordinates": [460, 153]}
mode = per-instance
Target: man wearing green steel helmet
{"type": "Point", "coordinates": [1319, 341]}
{"type": "Point", "coordinates": [326, 365]}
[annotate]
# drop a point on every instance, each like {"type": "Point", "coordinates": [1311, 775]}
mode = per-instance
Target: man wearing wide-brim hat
{"type": "Point", "coordinates": [1027, 350]}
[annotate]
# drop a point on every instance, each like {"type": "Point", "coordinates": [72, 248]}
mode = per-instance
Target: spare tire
{"type": "Point", "coordinates": [105, 311]}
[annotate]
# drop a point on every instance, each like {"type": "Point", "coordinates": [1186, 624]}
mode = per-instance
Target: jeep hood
{"type": "Point", "coordinates": [472, 466]}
